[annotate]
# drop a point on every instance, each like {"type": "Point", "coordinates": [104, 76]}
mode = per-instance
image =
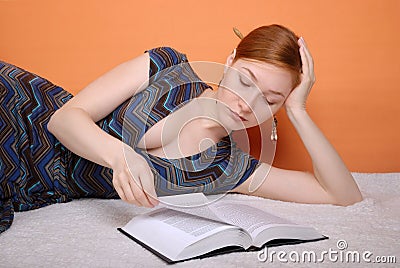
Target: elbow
{"type": "Point", "coordinates": [351, 200]}
{"type": "Point", "coordinates": [52, 124]}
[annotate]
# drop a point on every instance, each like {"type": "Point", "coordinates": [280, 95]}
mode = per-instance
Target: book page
{"type": "Point", "coordinates": [251, 219]}
{"type": "Point", "coordinates": [194, 204]}
{"type": "Point", "coordinates": [184, 200]}
{"type": "Point", "coordinates": [170, 232]}
{"type": "Point", "coordinates": [190, 224]}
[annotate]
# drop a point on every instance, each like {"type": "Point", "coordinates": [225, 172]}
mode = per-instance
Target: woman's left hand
{"type": "Point", "coordinates": [297, 98]}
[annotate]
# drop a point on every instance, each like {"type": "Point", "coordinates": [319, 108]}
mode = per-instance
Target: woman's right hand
{"type": "Point", "coordinates": [133, 179]}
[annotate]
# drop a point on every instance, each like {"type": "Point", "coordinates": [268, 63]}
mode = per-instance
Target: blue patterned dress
{"type": "Point", "coordinates": [36, 170]}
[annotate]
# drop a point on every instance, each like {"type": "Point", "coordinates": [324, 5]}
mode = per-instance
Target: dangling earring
{"type": "Point", "coordinates": [274, 134]}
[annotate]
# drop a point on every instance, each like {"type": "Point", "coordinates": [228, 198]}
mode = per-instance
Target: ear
{"type": "Point", "coordinates": [230, 58]}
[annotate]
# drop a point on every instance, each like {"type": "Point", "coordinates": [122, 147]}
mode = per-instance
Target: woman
{"type": "Point", "coordinates": [56, 147]}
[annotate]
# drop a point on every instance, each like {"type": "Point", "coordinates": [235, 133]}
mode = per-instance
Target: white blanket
{"type": "Point", "coordinates": [83, 233]}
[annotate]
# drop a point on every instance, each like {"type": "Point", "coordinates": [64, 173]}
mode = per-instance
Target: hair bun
{"type": "Point", "coordinates": [238, 33]}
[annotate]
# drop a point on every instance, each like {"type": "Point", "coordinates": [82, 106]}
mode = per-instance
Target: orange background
{"type": "Point", "coordinates": [355, 45]}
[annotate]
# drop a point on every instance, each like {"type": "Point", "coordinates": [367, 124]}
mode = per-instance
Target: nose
{"type": "Point", "coordinates": [243, 106]}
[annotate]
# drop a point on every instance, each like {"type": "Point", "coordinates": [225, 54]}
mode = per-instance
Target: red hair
{"type": "Point", "coordinates": [273, 44]}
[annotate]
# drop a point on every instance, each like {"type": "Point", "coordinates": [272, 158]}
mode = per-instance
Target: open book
{"type": "Point", "coordinates": [176, 233]}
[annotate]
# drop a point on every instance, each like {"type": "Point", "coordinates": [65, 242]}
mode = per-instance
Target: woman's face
{"type": "Point", "coordinates": [251, 92]}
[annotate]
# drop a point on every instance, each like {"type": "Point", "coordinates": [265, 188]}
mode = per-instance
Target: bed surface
{"type": "Point", "coordinates": [83, 233]}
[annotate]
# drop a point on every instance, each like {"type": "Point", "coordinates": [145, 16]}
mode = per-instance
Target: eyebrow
{"type": "Point", "coordinates": [251, 73]}
{"type": "Point", "coordinates": [255, 78]}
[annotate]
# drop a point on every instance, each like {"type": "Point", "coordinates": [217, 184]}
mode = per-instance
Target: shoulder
{"type": "Point", "coordinates": [164, 57]}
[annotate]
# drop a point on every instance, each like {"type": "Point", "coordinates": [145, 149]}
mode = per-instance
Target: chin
{"type": "Point", "coordinates": [239, 126]}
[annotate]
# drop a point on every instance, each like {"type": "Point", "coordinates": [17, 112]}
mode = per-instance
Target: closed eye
{"type": "Point", "coordinates": [249, 85]}
{"type": "Point", "coordinates": [244, 83]}
{"type": "Point", "coordinates": [269, 103]}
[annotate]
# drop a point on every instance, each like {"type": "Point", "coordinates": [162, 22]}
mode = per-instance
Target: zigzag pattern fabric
{"type": "Point", "coordinates": [31, 167]}
{"type": "Point", "coordinates": [36, 170]}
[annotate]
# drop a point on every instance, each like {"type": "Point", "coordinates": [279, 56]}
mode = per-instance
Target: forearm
{"type": "Point", "coordinates": [76, 130]}
{"type": "Point", "coordinates": [329, 169]}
